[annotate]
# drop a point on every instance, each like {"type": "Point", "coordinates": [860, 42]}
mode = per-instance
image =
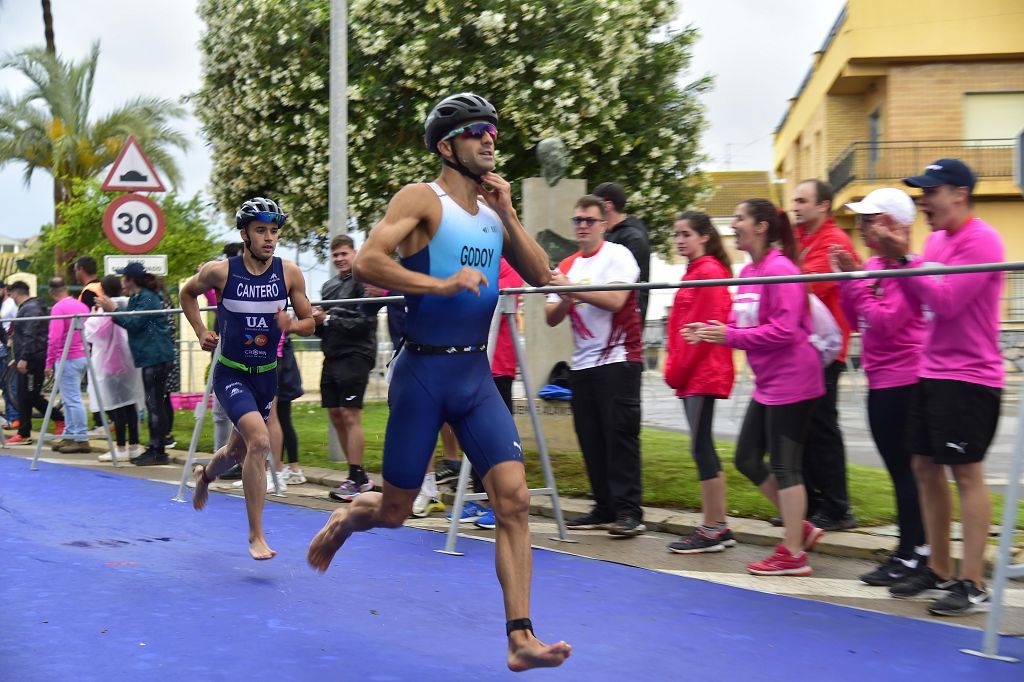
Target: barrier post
{"type": "Point", "coordinates": [200, 418]}
{"type": "Point", "coordinates": [58, 372]}
{"type": "Point", "coordinates": [506, 311]}
{"type": "Point", "coordinates": [1004, 570]}
{"type": "Point", "coordinates": [542, 448]}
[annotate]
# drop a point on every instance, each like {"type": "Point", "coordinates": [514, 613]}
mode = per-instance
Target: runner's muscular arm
{"type": "Point", "coordinates": [411, 207]}
{"type": "Point", "coordinates": [305, 325]}
{"type": "Point", "coordinates": [212, 275]}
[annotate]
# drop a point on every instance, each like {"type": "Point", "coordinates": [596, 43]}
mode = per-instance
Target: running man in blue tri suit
{"type": "Point", "coordinates": [450, 235]}
{"type": "Point", "coordinates": [251, 318]}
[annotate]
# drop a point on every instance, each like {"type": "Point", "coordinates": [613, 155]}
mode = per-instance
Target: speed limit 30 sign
{"type": "Point", "coordinates": [134, 223]}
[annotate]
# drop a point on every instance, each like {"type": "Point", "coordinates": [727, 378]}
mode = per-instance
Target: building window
{"type": "Point", "coordinates": [1015, 296]}
{"type": "Point", "coordinates": [993, 115]}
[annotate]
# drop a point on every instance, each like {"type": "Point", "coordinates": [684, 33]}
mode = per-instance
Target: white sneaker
{"type": "Point", "coordinates": [280, 479]}
{"type": "Point", "coordinates": [122, 456]}
{"type": "Point", "coordinates": [296, 477]}
{"type": "Point", "coordinates": [134, 450]}
{"type": "Point", "coordinates": [424, 504]}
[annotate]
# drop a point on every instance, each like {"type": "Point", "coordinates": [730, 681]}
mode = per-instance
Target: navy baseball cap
{"type": "Point", "coordinates": [943, 172]}
{"type": "Point", "coordinates": [133, 269]}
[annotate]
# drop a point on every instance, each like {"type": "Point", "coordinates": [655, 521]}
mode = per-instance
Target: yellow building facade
{"type": "Point", "coordinates": [897, 85]}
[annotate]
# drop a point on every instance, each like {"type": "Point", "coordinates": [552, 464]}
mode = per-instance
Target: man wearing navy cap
{"type": "Point", "coordinates": [955, 411]}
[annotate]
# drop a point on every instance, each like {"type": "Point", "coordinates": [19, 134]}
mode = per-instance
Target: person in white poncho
{"type": "Point", "coordinates": [118, 381]}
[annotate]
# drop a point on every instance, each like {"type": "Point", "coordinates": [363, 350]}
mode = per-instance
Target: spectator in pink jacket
{"type": "Point", "coordinates": [892, 331]}
{"type": "Point", "coordinates": [75, 437]}
{"type": "Point", "coordinates": [772, 323]}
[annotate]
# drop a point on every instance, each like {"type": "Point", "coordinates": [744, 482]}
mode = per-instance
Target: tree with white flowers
{"type": "Point", "coordinates": [604, 76]}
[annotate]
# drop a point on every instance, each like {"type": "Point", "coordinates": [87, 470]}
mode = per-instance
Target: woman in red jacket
{"type": "Point", "coordinates": [703, 372]}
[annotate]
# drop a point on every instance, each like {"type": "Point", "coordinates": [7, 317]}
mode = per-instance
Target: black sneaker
{"type": "Point", "coordinates": [965, 597]}
{"type": "Point", "coordinates": [151, 458]}
{"type": "Point", "coordinates": [626, 527]}
{"type": "Point", "coordinates": [828, 524]}
{"type": "Point", "coordinates": [776, 521]}
{"type": "Point", "coordinates": [892, 571]}
{"type": "Point", "coordinates": [232, 474]}
{"type": "Point", "coordinates": [169, 442]}
{"type": "Point", "coordinates": [923, 584]}
{"type": "Point", "coordinates": [446, 471]}
{"type": "Point", "coordinates": [698, 543]}
{"type": "Point", "coordinates": [589, 521]}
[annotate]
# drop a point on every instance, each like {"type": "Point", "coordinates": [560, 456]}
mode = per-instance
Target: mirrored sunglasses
{"type": "Point", "coordinates": [268, 217]}
{"type": "Point", "coordinates": [474, 130]}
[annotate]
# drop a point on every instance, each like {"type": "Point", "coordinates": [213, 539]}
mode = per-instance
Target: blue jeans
{"type": "Point", "coordinates": [75, 424]}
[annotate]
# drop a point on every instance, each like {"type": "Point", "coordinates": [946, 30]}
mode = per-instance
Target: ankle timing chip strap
{"type": "Point", "coordinates": [518, 624]}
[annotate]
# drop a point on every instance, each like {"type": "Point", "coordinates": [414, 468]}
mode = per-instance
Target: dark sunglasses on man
{"type": "Point", "coordinates": [474, 131]}
{"type": "Point", "coordinates": [269, 217]}
{"type": "Point", "coordinates": [588, 221]}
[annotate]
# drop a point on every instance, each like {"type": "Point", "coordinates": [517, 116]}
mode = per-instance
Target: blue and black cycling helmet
{"type": "Point", "coordinates": [451, 112]}
{"type": "Point", "coordinates": [259, 208]}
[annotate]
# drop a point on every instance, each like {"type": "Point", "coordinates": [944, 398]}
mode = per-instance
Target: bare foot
{"type": "Point", "coordinates": [202, 492]}
{"type": "Point", "coordinates": [530, 652]}
{"type": "Point", "coordinates": [259, 550]}
{"type": "Point", "coordinates": [328, 541]}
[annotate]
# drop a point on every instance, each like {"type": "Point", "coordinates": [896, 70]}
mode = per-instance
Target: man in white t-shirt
{"type": "Point", "coordinates": [606, 369]}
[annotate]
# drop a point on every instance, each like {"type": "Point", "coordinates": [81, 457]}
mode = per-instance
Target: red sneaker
{"type": "Point", "coordinates": [58, 427]}
{"type": "Point", "coordinates": [18, 439]}
{"type": "Point", "coordinates": [781, 563]}
{"type": "Point", "coordinates": [811, 535]}
{"type": "Point", "coordinates": [13, 425]}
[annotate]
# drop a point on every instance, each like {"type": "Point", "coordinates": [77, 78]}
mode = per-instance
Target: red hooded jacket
{"type": "Point", "coordinates": [704, 368]}
{"type": "Point", "coordinates": [814, 250]}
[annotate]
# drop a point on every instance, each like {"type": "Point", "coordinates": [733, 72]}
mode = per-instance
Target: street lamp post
{"type": "Point", "coordinates": [337, 186]}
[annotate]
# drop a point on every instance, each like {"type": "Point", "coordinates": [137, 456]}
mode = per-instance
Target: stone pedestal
{"type": "Point", "coordinates": [547, 216]}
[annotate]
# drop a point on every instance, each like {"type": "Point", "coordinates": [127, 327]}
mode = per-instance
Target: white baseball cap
{"type": "Point", "coordinates": [889, 200]}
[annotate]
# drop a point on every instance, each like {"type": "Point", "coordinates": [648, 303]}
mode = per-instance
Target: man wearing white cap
{"type": "Point", "coordinates": [892, 332]}
{"type": "Point", "coordinates": [956, 406]}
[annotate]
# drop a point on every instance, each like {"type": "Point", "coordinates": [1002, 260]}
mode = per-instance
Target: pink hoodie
{"type": "Point", "coordinates": [892, 330]}
{"type": "Point", "coordinates": [59, 331]}
{"type": "Point", "coordinates": [772, 322]}
{"type": "Point", "coordinates": [962, 311]}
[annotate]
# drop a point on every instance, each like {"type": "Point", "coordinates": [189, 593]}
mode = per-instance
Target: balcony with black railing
{"type": "Point", "coordinates": [885, 161]}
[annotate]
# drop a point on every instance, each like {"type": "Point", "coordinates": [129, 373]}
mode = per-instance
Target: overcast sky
{"type": "Point", "coordinates": [758, 51]}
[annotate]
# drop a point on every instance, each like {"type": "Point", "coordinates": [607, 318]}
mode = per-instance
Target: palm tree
{"type": "Point", "coordinates": [48, 127]}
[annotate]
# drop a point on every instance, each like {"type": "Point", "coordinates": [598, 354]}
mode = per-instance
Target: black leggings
{"type": "Point", "coordinates": [126, 419]}
{"type": "Point", "coordinates": [700, 413]}
{"type": "Point", "coordinates": [888, 414]}
{"type": "Point", "coordinates": [779, 430]}
{"type": "Point", "coordinates": [291, 439]}
{"type": "Point", "coordinates": [158, 412]}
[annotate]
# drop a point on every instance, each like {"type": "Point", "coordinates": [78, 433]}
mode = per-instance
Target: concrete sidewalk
{"type": "Point", "coordinates": [870, 543]}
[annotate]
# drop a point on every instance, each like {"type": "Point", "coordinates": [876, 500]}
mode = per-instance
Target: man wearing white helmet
{"type": "Point", "coordinates": [892, 332]}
